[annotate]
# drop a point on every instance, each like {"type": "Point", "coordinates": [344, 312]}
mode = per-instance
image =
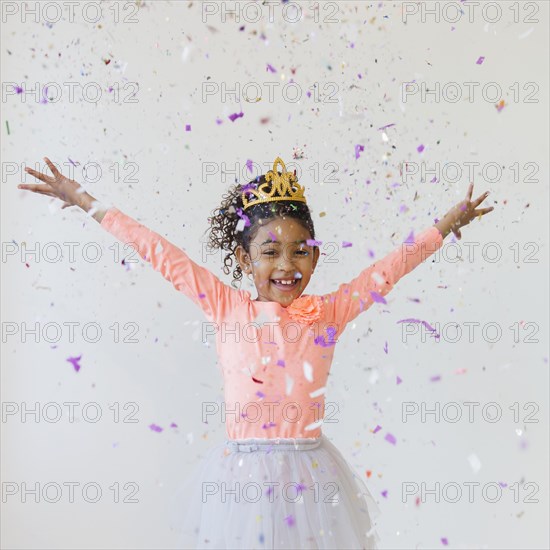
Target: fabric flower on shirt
{"type": "Point", "coordinates": [306, 309]}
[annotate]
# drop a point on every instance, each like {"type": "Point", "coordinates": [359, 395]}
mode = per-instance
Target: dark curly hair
{"type": "Point", "coordinates": [223, 223]}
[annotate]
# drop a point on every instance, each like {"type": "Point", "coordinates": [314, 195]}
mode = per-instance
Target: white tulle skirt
{"type": "Point", "coordinates": [274, 493]}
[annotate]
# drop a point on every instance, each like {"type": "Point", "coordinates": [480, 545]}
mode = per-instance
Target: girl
{"type": "Point", "coordinates": [276, 481]}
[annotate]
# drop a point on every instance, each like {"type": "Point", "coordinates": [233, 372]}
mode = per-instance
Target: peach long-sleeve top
{"type": "Point", "coordinates": [275, 366]}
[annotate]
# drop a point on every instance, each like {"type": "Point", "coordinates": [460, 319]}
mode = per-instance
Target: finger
{"type": "Point", "coordinates": [470, 191]}
{"type": "Point", "coordinates": [38, 175]}
{"type": "Point", "coordinates": [54, 170]}
{"type": "Point", "coordinates": [458, 234]}
{"type": "Point", "coordinates": [480, 199]}
{"type": "Point", "coordinates": [36, 188]}
{"type": "Point", "coordinates": [483, 211]}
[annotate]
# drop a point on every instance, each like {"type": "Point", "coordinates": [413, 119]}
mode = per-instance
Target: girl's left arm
{"type": "Point", "coordinates": [374, 282]}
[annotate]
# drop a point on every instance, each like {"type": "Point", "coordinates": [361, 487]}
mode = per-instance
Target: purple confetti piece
{"type": "Point", "coordinates": [235, 116]}
{"type": "Point", "coordinates": [173, 425]}
{"type": "Point", "coordinates": [398, 381]}
{"type": "Point", "coordinates": [435, 378]}
{"type": "Point", "coordinates": [270, 68]}
{"type": "Point", "coordinates": [386, 347]}
{"type": "Point", "coordinates": [424, 323]}
{"type": "Point", "coordinates": [390, 439]}
{"type": "Point", "coordinates": [313, 242]}
{"type": "Point", "coordinates": [249, 165]}
{"type": "Point", "coordinates": [188, 127]}
{"type": "Point", "coordinates": [75, 362]}
{"type": "Point", "coordinates": [420, 148]}
{"type": "Point", "coordinates": [202, 295]}
{"type": "Point", "coordinates": [155, 428]}
{"type": "Point", "coordinates": [280, 363]}
{"type": "Point", "coordinates": [444, 541]}
{"type": "Point", "coordinates": [260, 394]}
{"type": "Point", "coordinates": [346, 244]}
{"type": "Point", "coordinates": [480, 60]}
{"type": "Point", "coordinates": [377, 429]}
{"type": "Point", "coordinates": [409, 239]}
{"type": "Point", "coordinates": [289, 520]}
{"type": "Point", "coordinates": [378, 297]}
{"type": "Point", "coordinates": [387, 126]}
{"type": "Point", "coordinates": [272, 236]}
{"type": "Point", "coordinates": [219, 121]}
{"type": "Point", "coordinates": [384, 493]}
{"type": "Point", "coordinates": [358, 150]}
{"type": "Point", "coordinates": [243, 217]}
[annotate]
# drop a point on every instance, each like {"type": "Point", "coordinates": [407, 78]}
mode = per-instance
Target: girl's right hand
{"type": "Point", "coordinates": [57, 186]}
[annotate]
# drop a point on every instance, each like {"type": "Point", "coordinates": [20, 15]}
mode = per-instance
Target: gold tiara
{"type": "Point", "coordinates": [284, 187]}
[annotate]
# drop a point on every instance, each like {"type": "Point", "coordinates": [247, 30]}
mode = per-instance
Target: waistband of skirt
{"type": "Point", "coordinates": [273, 444]}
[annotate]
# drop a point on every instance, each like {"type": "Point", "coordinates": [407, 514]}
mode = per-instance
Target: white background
{"type": "Point", "coordinates": [171, 50]}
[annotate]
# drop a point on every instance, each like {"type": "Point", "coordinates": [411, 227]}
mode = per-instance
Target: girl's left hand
{"type": "Point", "coordinates": [463, 213]}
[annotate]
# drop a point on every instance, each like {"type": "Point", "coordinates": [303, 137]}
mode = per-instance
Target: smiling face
{"type": "Point", "coordinates": [279, 252]}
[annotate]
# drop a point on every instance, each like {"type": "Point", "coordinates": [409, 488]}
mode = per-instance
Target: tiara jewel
{"type": "Point", "coordinates": [283, 187]}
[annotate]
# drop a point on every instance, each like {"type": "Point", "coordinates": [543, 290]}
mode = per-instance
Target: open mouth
{"type": "Point", "coordinates": [285, 284]}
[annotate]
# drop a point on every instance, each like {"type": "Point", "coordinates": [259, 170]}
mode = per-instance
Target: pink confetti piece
{"type": "Point", "coordinates": [377, 429]}
{"type": "Point", "coordinates": [378, 297]}
{"type": "Point", "coordinates": [272, 236]}
{"type": "Point", "coordinates": [398, 381]}
{"type": "Point", "coordinates": [480, 60]}
{"type": "Point", "coordinates": [75, 362]}
{"type": "Point", "coordinates": [289, 520]}
{"type": "Point", "coordinates": [235, 116]}
{"type": "Point", "coordinates": [420, 148]}
{"type": "Point", "coordinates": [390, 439]}
{"type": "Point", "coordinates": [155, 428]}
{"type": "Point", "coordinates": [359, 149]}
{"type": "Point", "coordinates": [188, 127]}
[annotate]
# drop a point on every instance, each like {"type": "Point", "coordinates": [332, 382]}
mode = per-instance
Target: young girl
{"type": "Point", "coordinates": [276, 481]}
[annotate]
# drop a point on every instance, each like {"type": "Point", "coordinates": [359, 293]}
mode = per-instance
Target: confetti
{"type": "Point", "coordinates": [480, 60]}
{"type": "Point", "coordinates": [390, 439]}
{"type": "Point", "coordinates": [235, 116]}
{"type": "Point", "coordinates": [155, 428]}
{"type": "Point", "coordinates": [188, 127]}
{"type": "Point", "coordinates": [308, 371]}
{"type": "Point", "coordinates": [75, 362]}
{"type": "Point", "coordinates": [378, 297]}
{"type": "Point", "coordinates": [271, 68]}
{"type": "Point", "coordinates": [359, 149]}
{"type": "Point", "coordinates": [420, 148]}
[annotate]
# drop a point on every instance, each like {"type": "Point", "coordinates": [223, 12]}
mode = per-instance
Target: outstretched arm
{"type": "Point", "coordinates": [374, 282]}
{"type": "Point", "coordinates": [198, 283]}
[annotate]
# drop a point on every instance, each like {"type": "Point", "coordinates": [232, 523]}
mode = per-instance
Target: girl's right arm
{"type": "Point", "coordinates": [214, 297]}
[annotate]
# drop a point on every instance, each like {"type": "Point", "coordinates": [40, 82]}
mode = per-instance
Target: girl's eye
{"type": "Point", "coordinates": [304, 252]}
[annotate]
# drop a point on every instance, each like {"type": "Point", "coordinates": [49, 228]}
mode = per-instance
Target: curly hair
{"type": "Point", "coordinates": [223, 223]}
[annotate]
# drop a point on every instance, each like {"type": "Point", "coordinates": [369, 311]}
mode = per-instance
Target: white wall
{"type": "Point", "coordinates": [171, 50]}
